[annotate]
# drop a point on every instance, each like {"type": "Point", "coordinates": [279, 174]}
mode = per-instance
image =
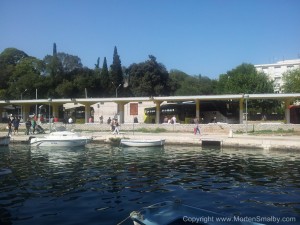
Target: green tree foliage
{"type": "Point", "coordinates": [244, 79]}
{"type": "Point", "coordinates": [65, 89]}
{"type": "Point", "coordinates": [54, 49]}
{"type": "Point", "coordinates": [9, 58]}
{"type": "Point", "coordinates": [104, 78]}
{"type": "Point", "coordinates": [183, 84]}
{"type": "Point", "coordinates": [26, 75]}
{"type": "Point", "coordinates": [69, 62]}
{"type": "Point", "coordinates": [116, 73]}
{"type": "Point", "coordinates": [97, 65]}
{"type": "Point", "coordinates": [148, 78]}
{"type": "Point", "coordinates": [291, 81]}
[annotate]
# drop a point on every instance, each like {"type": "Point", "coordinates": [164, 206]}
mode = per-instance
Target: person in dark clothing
{"type": "Point", "coordinates": [9, 125]}
{"type": "Point", "coordinates": [16, 124]}
{"type": "Point", "coordinates": [28, 125]}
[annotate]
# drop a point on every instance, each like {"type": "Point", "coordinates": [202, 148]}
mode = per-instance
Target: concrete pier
{"type": "Point", "coordinates": [267, 142]}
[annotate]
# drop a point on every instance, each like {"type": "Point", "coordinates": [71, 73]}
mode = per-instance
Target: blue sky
{"type": "Point", "coordinates": [207, 37]}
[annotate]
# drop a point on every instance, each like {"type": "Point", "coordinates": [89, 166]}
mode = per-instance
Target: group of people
{"type": "Point", "coordinates": [114, 125]}
{"type": "Point", "coordinates": [170, 120]}
{"type": "Point", "coordinates": [13, 125]}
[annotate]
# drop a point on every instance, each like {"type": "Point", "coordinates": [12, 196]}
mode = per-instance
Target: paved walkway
{"type": "Point", "coordinates": [269, 142]}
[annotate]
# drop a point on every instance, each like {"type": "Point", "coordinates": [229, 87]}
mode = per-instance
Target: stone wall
{"type": "Point", "coordinates": [213, 128]}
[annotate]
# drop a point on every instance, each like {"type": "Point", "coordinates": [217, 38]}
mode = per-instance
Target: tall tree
{"type": "Point", "coordinates": [104, 77]}
{"type": "Point", "coordinates": [149, 78]}
{"type": "Point", "coordinates": [184, 84]}
{"type": "Point", "coordinates": [244, 79]}
{"type": "Point", "coordinates": [9, 58]}
{"type": "Point", "coordinates": [27, 75]}
{"type": "Point", "coordinates": [97, 65]}
{"type": "Point", "coordinates": [116, 73]}
{"type": "Point", "coordinates": [291, 80]}
{"type": "Point", "coordinates": [54, 49]}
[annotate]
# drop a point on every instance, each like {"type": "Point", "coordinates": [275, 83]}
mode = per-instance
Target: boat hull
{"type": "Point", "coordinates": [39, 142]}
{"type": "Point", "coordinates": [61, 139]}
{"type": "Point", "coordinates": [169, 213]}
{"type": "Point", "coordinates": [142, 143]}
{"type": "Point", "coordinates": [4, 141]}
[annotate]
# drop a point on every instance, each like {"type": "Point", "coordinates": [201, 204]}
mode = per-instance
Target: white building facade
{"type": "Point", "coordinates": [276, 70]}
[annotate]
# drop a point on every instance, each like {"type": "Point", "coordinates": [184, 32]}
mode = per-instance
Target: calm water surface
{"type": "Point", "coordinates": [101, 184]}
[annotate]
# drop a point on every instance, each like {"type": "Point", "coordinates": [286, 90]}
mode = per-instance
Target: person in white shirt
{"type": "Point", "coordinates": [174, 119]}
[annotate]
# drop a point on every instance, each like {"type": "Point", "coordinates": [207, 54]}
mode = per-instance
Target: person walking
{"type": "Point", "coordinates": [117, 125]}
{"type": "Point", "coordinates": [33, 125]}
{"type": "Point", "coordinates": [113, 125]}
{"type": "Point", "coordinates": [197, 128]}
{"type": "Point", "coordinates": [9, 125]}
{"type": "Point", "coordinates": [16, 124]}
{"type": "Point", "coordinates": [28, 125]}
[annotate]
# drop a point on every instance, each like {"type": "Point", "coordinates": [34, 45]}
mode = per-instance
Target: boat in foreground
{"type": "Point", "coordinates": [4, 140]}
{"type": "Point", "coordinates": [142, 143]}
{"type": "Point", "coordinates": [60, 138]}
{"type": "Point", "coordinates": [176, 213]}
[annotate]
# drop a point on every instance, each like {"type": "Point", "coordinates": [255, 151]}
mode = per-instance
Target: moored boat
{"type": "Point", "coordinates": [176, 213]}
{"type": "Point", "coordinates": [4, 140]}
{"type": "Point", "coordinates": [60, 138]}
{"type": "Point", "coordinates": [142, 143]}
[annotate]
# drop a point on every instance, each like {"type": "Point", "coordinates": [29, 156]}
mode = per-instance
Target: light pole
{"type": "Point", "coordinates": [22, 105]}
{"type": "Point", "coordinates": [117, 96]}
{"type": "Point", "coordinates": [116, 88]}
{"type": "Point", "coordinates": [49, 100]}
{"type": "Point", "coordinates": [36, 104]}
{"type": "Point", "coordinates": [246, 97]}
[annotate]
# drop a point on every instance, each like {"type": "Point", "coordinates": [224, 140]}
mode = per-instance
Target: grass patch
{"type": "Point", "coordinates": [156, 130]}
{"type": "Point", "coordinates": [278, 131]}
{"type": "Point", "coordinates": [258, 132]}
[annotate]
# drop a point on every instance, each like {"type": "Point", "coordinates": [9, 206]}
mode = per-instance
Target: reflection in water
{"type": "Point", "coordinates": [104, 183]}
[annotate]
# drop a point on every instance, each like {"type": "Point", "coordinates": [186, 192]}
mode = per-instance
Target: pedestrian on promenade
{"type": "Point", "coordinates": [196, 128]}
{"type": "Point", "coordinates": [33, 124]}
{"type": "Point", "coordinates": [9, 125]}
{"type": "Point", "coordinates": [28, 125]}
{"type": "Point", "coordinates": [16, 124]}
{"type": "Point", "coordinates": [109, 120]}
{"type": "Point", "coordinates": [117, 125]}
{"type": "Point", "coordinates": [113, 125]}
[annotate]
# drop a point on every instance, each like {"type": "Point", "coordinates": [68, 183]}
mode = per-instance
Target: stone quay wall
{"type": "Point", "coordinates": [212, 128]}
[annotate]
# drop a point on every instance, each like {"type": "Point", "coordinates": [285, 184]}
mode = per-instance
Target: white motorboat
{"type": "Point", "coordinates": [174, 213]}
{"type": "Point", "coordinates": [142, 142]}
{"type": "Point", "coordinates": [60, 138]}
{"type": "Point", "coordinates": [4, 140]}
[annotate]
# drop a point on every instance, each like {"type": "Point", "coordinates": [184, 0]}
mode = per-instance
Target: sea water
{"type": "Point", "coordinates": [101, 184]}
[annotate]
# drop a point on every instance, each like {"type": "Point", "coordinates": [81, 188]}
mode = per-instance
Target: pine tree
{"type": "Point", "coordinates": [54, 49]}
{"type": "Point", "coordinates": [104, 76]}
{"type": "Point", "coordinates": [97, 65]}
{"type": "Point", "coordinates": [116, 73]}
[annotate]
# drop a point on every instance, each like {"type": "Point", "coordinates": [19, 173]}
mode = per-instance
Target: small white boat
{"type": "Point", "coordinates": [142, 143]}
{"type": "Point", "coordinates": [174, 213]}
{"type": "Point", "coordinates": [4, 140]}
{"type": "Point", "coordinates": [60, 138]}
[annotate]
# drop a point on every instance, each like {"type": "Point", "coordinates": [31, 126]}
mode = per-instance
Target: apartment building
{"type": "Point", "coordinates": [276, 70]}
